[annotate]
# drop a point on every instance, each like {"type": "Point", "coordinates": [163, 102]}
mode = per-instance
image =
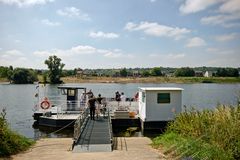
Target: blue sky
{"type": "Point", "coordinates": [123, 33]}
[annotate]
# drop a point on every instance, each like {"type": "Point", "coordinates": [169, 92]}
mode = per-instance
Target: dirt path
{"type": "Point", "coordinates": [134, 148]}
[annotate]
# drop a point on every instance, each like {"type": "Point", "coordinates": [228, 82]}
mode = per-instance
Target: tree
{"type": "Point", "coordinates": [146, 73]}
{"type": "Point", "coordinates": [55, 69]}
{"type": "Point", "coordinates": [227, 72]}
{"type": "Point", "coordinates": [156, 71]}
{"type": "Point", "coordinates": [184, 72]}
{"type": "Point", "coordinates": [123, 72]}
{"type": "Point", "coordinates": [3, 72]}
{"type": "Point", "coordinates": [23, 76]}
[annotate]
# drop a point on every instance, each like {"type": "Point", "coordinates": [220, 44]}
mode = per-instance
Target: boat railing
{"type": "Point", "coordinates": [130, 106]}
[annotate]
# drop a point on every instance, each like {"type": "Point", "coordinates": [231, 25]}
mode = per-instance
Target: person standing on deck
{"type": "Point", "coordinates": [91, 104]}
{"type": "Point", "coordinates": [89, 93]}
{"type": "Point", "coordinates": [99, 103]}
{"type": "Point", "coordinates": [123, 97]}
{"type": "Point", "coordinates": [117, 97]}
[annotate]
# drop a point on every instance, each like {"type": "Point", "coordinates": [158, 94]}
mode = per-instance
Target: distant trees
{"type": "Point", "coordinates": [156, 71]}
{"type": "Point", "coordinates": [146, 73]}
{"type": "Point", "coordinates": [55, 69]}
{"type": "Point", "coordinates": [227, 72]}
{"type": "Point", "coordinates": [184, 72]}
{"type": "Point", "coordinates": [23, 76]}
{"type": "Point", "coordinates": [123, 72]}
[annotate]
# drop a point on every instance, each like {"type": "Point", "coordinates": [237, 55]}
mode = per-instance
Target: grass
{"type": "Point", "coordinates": [74, 79]}
{"type": "Point", "coordinates": [209, 134]}
{"type": "Point", "coordinates": [10, 141]}
{"type": "Point", "coordinates": [180, 147]}
{"type": "Point", "coordinates": [3, 80]}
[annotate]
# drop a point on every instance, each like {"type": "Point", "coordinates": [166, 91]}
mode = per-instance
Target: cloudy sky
{"type": "Point", "coordinates": [120, 33]}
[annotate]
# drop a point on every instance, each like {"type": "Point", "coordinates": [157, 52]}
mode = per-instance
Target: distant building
{"type": "Point", "coordinates": [79, 72]}
{"type": "Point", "coordinates": [208, 74]}
{"type": "Point", "coordinates": [168, 74]}
{"type": "Point", "coordinates": [199, 73]}
{"type": "Point", "coordinates": [136, 73]}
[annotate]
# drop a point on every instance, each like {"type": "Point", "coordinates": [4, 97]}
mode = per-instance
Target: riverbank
{"type": "Point", "coordinates": [10, 141]}
{"type": "Point", "coordinates": [74, 79]}
{"type": "Point", "coordinates": [207, 134]}
{"type": "Point", "coordinates": [151, 80]}
{"type": "Point", "coordinates": [136, 148]}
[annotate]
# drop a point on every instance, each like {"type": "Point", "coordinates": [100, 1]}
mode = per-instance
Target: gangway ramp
{"type": "Point", "coordinates": [95, 137]}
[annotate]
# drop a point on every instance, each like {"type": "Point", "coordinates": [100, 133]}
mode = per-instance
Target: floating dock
{"type": "Point", "coordinates": [96, 137]}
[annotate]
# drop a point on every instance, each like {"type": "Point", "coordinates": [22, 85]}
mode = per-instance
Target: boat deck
{"type": "Point", "coordinates": [63, 117]}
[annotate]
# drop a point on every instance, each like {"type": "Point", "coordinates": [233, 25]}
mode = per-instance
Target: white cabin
{"type": "Point", "coordinates": [159, 104]}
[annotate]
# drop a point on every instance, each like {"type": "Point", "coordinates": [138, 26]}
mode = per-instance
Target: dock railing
{"type": "Point", "coordinates": [80, 124]}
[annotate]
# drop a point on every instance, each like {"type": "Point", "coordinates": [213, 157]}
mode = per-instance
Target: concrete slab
{"type": "Point", "coordinates": [138, 148]}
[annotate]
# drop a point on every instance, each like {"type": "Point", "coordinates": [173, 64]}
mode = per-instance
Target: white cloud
{"type": "Point", "coordinates": [221, 51]}
{"type": "Point", "coordinates": [155, 29]}
{"type": "Point", "coordinates": [176, 56]}
{"type": "Point", "coordinates": [230, 6]}
{"type": "Point", "coordinates": [152, 1]}
{"type": "Point", "coordinates": [13, 53]}
{"type": "Point", "coordinates": [228, 11]}
{"type": "Point", "coordinates": [193, 6]}
{"type": "Point", "coordinates": [50, 23]}
{"type": "Point", "coordinates": [227, 37]}
{"type": "Point", "coordinates": [195, 42]}
{"type": "Point", "coordinates": [73, 12]}
{"type": "Point", "coordinates": [168, 56]}
{"type": "Point", "coordinates": [222, 19]}
{"type": "Point", "coordinates": [17, 41]}
{"type": "Point", "coordinates": [12, 57]}
{"type": "Point", "coordinates": [113, 55]}
{"type": "Point", "coordinates": [23, 3]}
{"type": "Point", "coordinates": [101, 34]}
{"type": "Point", "coordinates": [83, 50]}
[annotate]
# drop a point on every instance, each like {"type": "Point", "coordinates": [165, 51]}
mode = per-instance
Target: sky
{"type": "Point", "coordinates": [120, 33]}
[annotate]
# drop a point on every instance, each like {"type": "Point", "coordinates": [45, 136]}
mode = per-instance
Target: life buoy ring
{"type": "Point", "coordinates": [45, 104]}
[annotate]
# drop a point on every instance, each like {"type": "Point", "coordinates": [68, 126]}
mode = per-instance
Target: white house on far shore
{"type": "Point", "coordinates": [208, 74]}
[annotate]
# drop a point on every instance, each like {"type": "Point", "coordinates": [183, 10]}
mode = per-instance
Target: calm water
{"type": "Point", "coordinates": [19, 100]}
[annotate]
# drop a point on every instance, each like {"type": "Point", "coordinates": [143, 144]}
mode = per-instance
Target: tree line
{"type": "Point", "coordinates": [55, 72]}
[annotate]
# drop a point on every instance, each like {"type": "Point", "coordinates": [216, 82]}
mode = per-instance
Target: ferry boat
{"type": "Point", "coordinates": [56, 111]}
{"type": "Point", "coordinates": [152, 109]}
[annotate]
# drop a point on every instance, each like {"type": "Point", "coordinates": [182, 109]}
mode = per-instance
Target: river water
{"type": "Point", "coordinates": [19, 100]}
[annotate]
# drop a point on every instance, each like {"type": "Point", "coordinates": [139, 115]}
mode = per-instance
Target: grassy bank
{"type": "Point", "coordinates": [3, 80]}
{"type": "Point", "coordinates": [203, 135]}
{"type": "Point", "coordinates": [10, 141]}
{"type": "Point", "coordinates": [151, 80]}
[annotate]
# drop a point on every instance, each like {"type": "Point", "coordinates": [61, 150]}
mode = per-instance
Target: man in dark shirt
{"type": "Point", "coordinates": [91, 104]}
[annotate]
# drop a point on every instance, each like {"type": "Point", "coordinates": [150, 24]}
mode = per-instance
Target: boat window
{"type": "Point", "coordinates": [163, 98]}
{"type": "Point", "coordinates": [71, 92]}
{"type": "Point", "coordinates": [64, 91]}
{"type": "Point", "coordinates": [143, 96]}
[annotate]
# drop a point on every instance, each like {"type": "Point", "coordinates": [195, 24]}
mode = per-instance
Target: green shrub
{"type": "Point", "coordinates": [11, 142]}
{"type": "Point", "coordinates": [218, 127]}
{"type": "Point", "coordinates": [186, 147]}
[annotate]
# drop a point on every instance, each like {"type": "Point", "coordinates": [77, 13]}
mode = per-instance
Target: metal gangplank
{"type": "Point", "coordinates": [92, 135]}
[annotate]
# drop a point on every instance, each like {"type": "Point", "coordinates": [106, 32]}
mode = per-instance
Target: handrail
{"type": "Point", "coordinates": [80, 124]}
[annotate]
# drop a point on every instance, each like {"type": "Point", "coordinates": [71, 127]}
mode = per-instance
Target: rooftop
{"type": "Point", "coordinates": [161, 89]}
{"type": "Point", "coordinates": [70, 87]}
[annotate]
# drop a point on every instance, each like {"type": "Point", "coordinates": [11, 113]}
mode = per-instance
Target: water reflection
{"type": "Point", "coordinates": [50, 132]}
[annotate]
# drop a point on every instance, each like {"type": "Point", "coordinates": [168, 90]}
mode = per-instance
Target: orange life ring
{"type": "Point", "coordinates": [45, 104]}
